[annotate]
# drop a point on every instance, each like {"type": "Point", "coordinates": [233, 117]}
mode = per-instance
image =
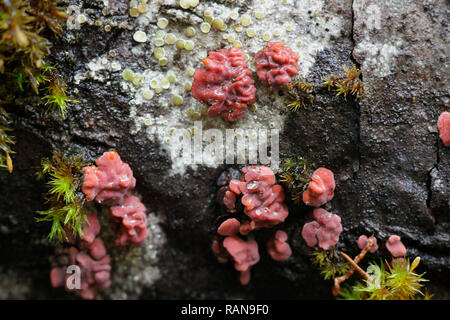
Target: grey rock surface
{"type": "Point", "coordinates": [392, 171]}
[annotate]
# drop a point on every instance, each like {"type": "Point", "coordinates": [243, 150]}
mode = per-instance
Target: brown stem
{"type": "Point", "coordinates": [353, 266]}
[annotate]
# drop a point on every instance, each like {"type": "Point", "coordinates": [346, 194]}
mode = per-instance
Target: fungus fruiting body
{"type": "Point", "coordinates": [276, 65]}
{"type": "Point", "coordinates": [320, 189]}
{"type": "Point", "coordinates": [263, 200]}
{"type": "Point", "coordinates": [362, 242]}
{"type": "Point", "coordinates": [324, 231]}
{"type": "Point", "coordinates": [278, 248]}
{"type": "Point", "coordinates": [110, 181]}
{"type": "Point", "coordinates": [395, 246]}
{"type": "Point", "coordinates": [87, 253]}
{"type": "Point", "coordinates": [131, 211]}
{"type": "Point", "coordinates": [444, 128]}
{"type": "Point", "coordinates": [244, 254]}
{"type": "Point", "coordinates": [225, 84]}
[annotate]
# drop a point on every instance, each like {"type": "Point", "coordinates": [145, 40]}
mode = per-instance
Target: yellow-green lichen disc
{"type": "Point", "coordinates": [267, 37]}
{"type": "Point", "coordinates": [259, 14]}
{"type": "Point", "coordinates": [170, 38]}
{"type": "Point", "coordinates": [159, 42]}
{"type": "Point", "coordinates": [159, 53]}
{"type": "Point", "coordinates": [185, 4]}
{"type": "Point", "coordinates": [207, 13]}
{"type": "Point", "coordinates": [237, 44]}
{"type": "Point", "coordinates": [224, 27]}
{"type": "Point", "coordinates": [163, 61]}
{"type": "Point", "coordinates": [251, 32]}
{"type": "Point", "coordinates": [230, 39]}
{"type": "Point", "coordinates": [127, 74]}
{"type": "Point", "coordinates": [154, 84]}
{"type": "Point", "coordinates": [189, 45]}
{"type": "Point", "coordinates": [187, 86]}
{"type": "Point", "coordinates": [147, 122]}
{"type": "Point", "coordinates": [160, 34]}
{"type": "Point", "coordinates": [204, 111]}
{"type": "Point", "coordinates": [142, 8]}
{"type": "Point", "coordinates": [148, 94]}
{"type": "Point", "coordinates": [177, 100]}
{"type": "Point", "coordinates": [234, 15]}
{"type": "Point", "coordinates": [165, 84]}
{"type": "Point", "coordinates": [194, 3]}
{"type": "Point", "coordinates": [246, 20]}
{"type": "Point", "coordinates": [158, 89]}
{"type": "Point", "coordinates": [180, 44]}
{"type": "Point", "coordinates": [189, 32]}
{"type": "Point", "coordinates": [140, 36]}
{"type": "Point", "coordinates": [190, 112]}
{"type": "Point", "coordinates": [205, 27]}
{"type": "Point", "coordinates": [137, 79]}
{"type": "Point", "coordinates": [238, 28]}
{"type": "Point", "coordinates": [217, 23]}
{"type": "Point", "coordinates": [171, 77]}
{"type": "Point", "coordinates": [162, 23]}
{"type": "Point", "coordinates": [134, 12]}
{"type": "Point", "coordinates": [288, 28]}
{"type": "Point", "coordinates": [196, 116]}
{"type": "Point", "coordinates": [191, 72]}
{"type": "Point", "coordinates": [276, 32]}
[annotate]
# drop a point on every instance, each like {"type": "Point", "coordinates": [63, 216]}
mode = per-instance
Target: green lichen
{"type": "Point", "coordinates": [395, 281]}
{"type": "Point", "coordinates": [63, 176]}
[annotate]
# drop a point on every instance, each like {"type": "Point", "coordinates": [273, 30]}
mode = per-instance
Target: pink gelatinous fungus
{"type": "Point", "coordinates": [278, 248]}
{"type": "Point", "coordinates": [324, 231]}
{"type": "Point", "coordinates": [229, 227]}
{"type": "Point", "coordinates": [320, 189]}
{"type": "Point", "coordinates": [225, 84]}
{"type": "Point", "coordinates": [244, 254]}
{"type": "Point", "coordinates": [262, 198]}
{"type": "Point", "coordinates": [131, 211]}
{"type": "Point", "coordinates": [94, 266]}
{"type": "Point", "coordinates": [362, 242]}
{"type": "Point", "coordinates": [395, 246]}
{"type": "Point", "coordinates": [444, 128]}
{"type": "Point", "coordinates": [108, 182]}
{"type": "Point", "coordinates": [276, 65]}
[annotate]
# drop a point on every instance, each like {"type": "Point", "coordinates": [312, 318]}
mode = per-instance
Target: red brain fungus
{"type": "Point", "coordinates": [225, 84]}
{"type": "Point", "coordinates": [276, 65]}
{"type": "Point", "coordinates": [444, 128]}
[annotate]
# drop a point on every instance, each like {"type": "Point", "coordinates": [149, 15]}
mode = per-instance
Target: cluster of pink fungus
{"type": "Point", "coordinates": [87, 253]}
{"type": "Point", "coordinates": [323, 231]}
{"type": "Point", "coordinates": [110, 182]}
{"type": "Point", "coordinates": [225, 82]}
{"type": "Point", "coordinates": [254, 201]}
{"type": "Point", "coordinates": [395, 246]}
{"type": "Point", "coordinates": [320, 189]}
{"type": "Point", "coordinates": [276, 65]}
{"type": "Point", "coordinates": [444, 128]}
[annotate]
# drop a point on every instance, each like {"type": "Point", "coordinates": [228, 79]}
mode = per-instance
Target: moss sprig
{"type": "Point", "coordinates": [299, 93]}
{"type": "Point", "coordinates": [23, 53]}
{"type": "Point", "coordinates": [389, 281]}
{"type": "Point", "coordinates": [64, 178]}
{"type": "Point", "coordinates": [348, 83]}
{"type": "Point", "coordinates": [294, 175]}
{"type": "Point", "coordinates": [329, 262]}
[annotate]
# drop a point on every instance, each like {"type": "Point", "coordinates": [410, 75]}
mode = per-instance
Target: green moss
{"type": "Point", "coordinates": [348, 83]}
{"type": "Point", "coordinates": [395, 281]}
{"type": "Point", "coordinates": [64, 178]}
{"type": "Point", "coordinates": [299, 93]}
{"type": "Point", "coordinates": [295, 175]}
{"type": "Point", "coordinates": [23, 51]}
{"type": "Point", "coordinates": [329, 262]}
